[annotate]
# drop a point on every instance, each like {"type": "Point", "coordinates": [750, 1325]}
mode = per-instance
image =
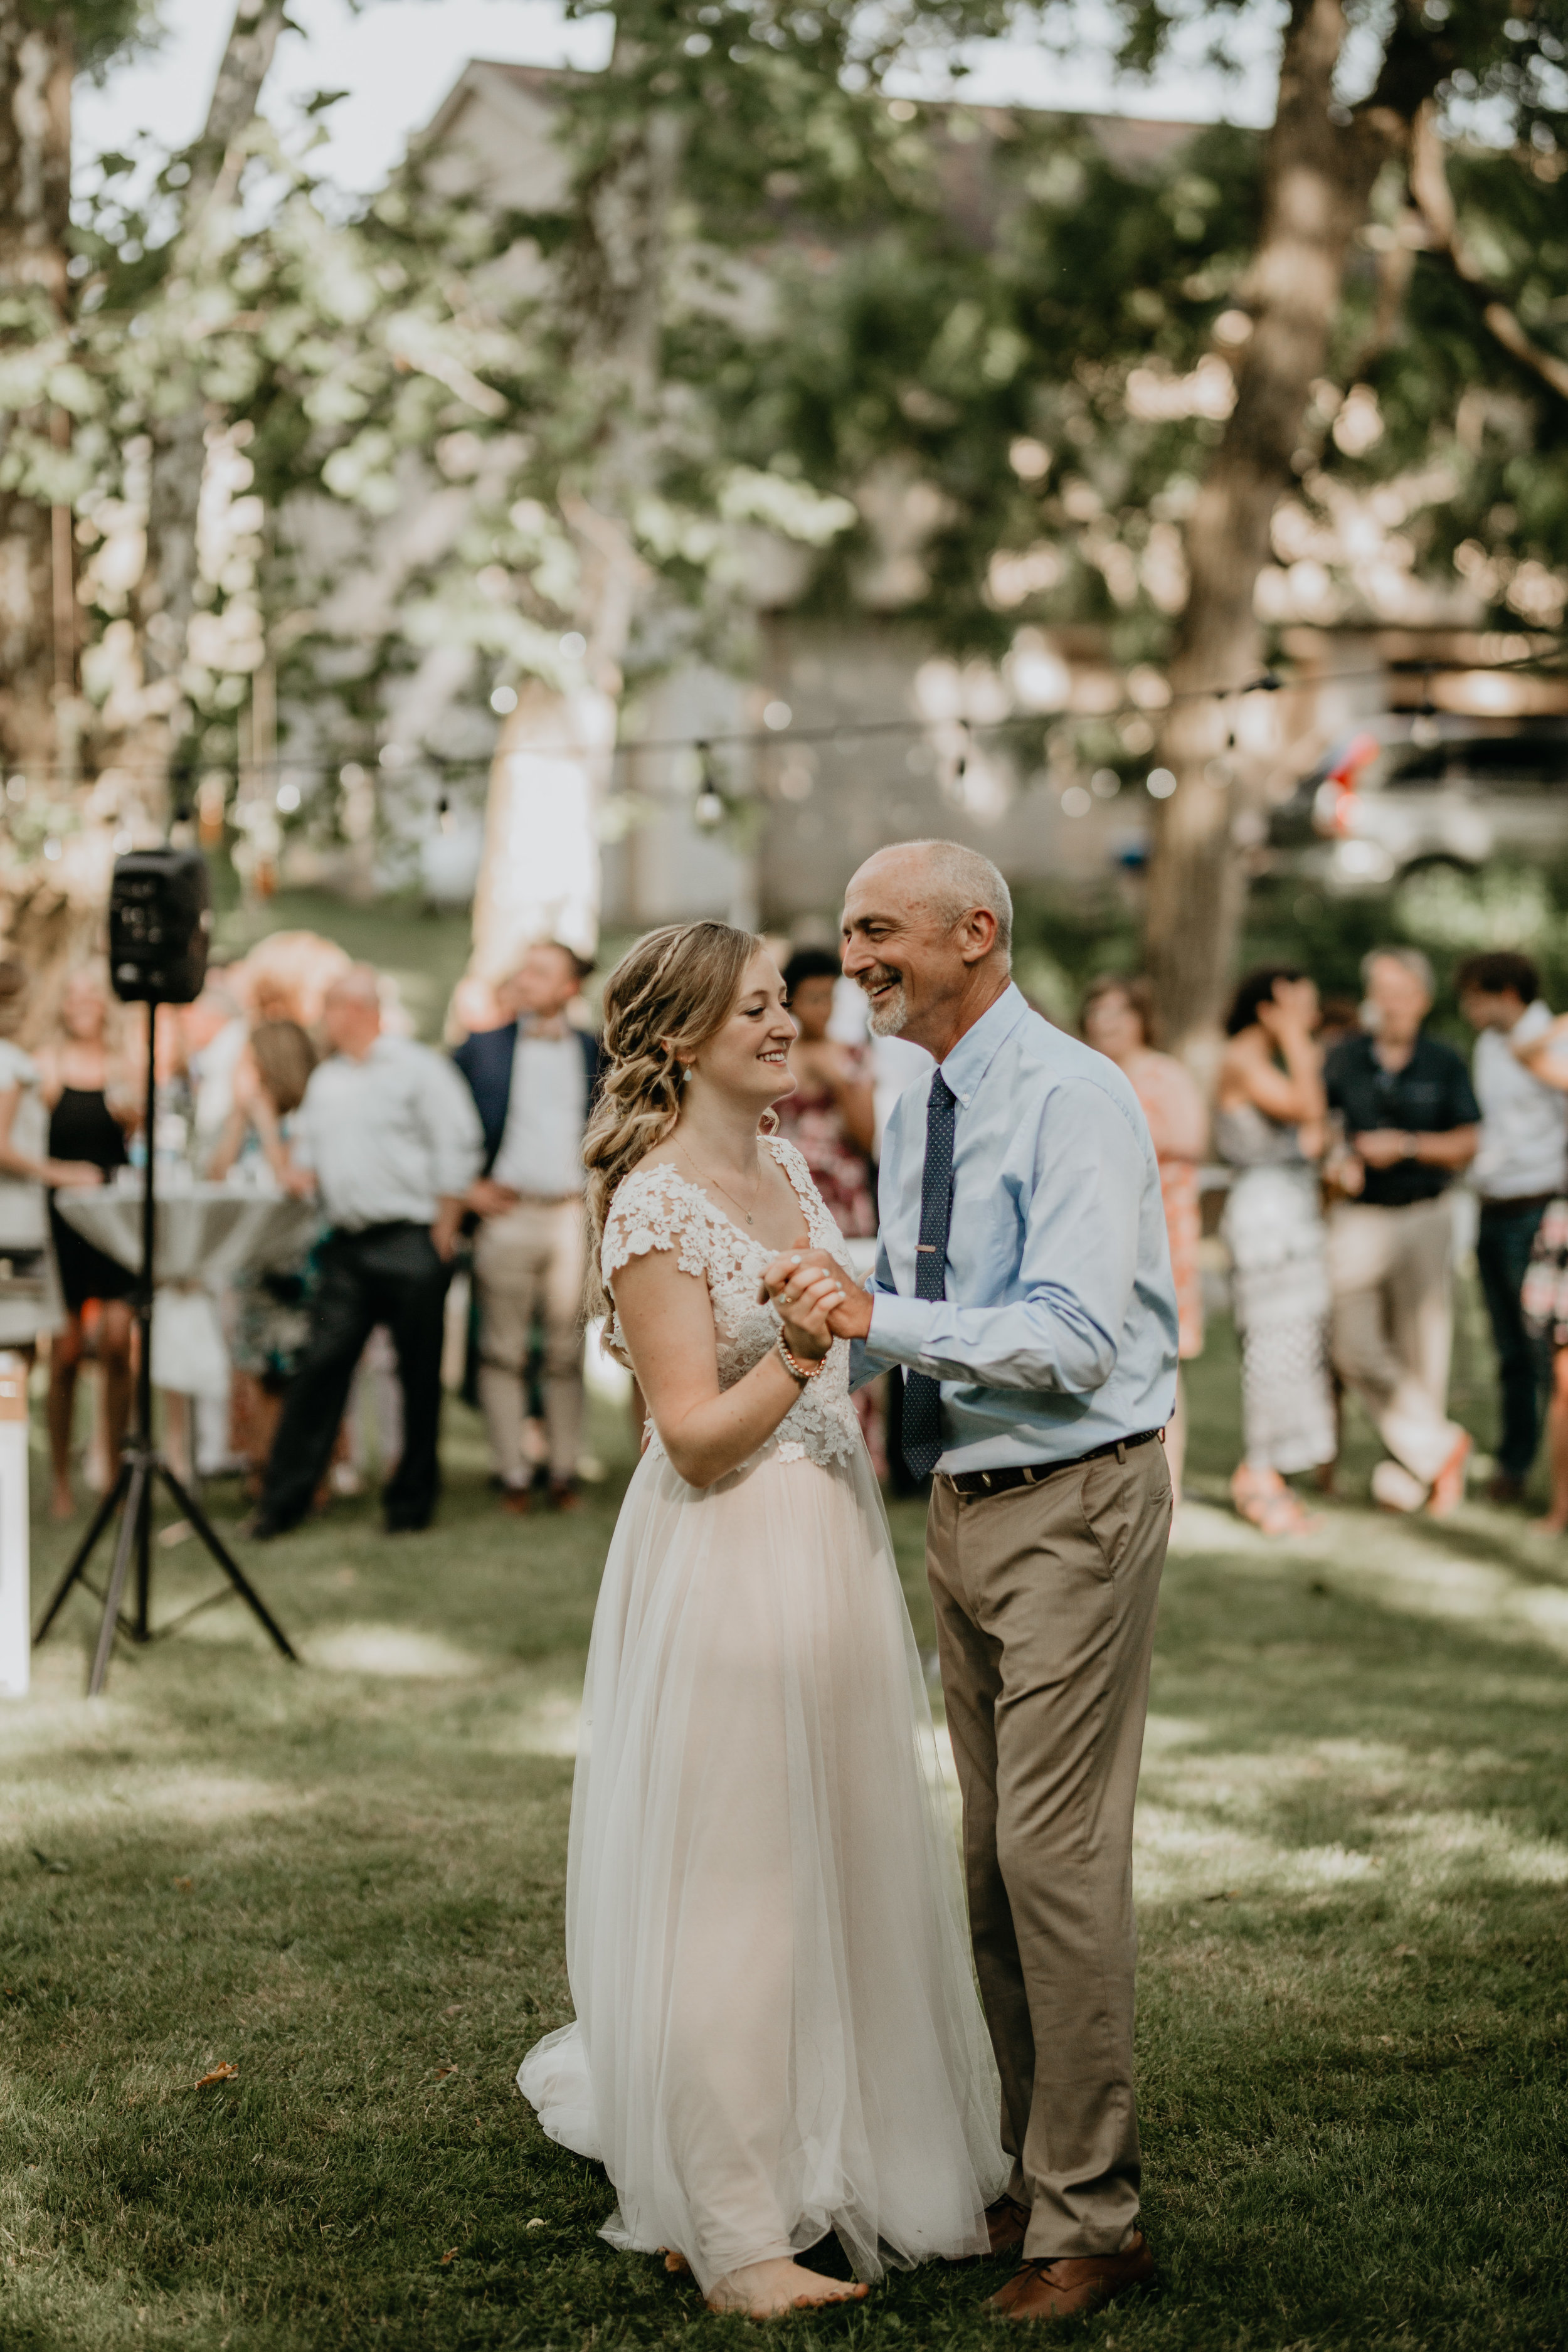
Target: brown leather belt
{"type": "Point", "coordinates": [1033, 1474]}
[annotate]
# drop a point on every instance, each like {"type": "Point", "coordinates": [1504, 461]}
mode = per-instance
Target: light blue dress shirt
{"type": "Point", "coordinates": [1059, 1329]}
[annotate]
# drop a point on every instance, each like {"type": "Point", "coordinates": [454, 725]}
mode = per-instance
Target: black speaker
{"type": "Point", "coordinates": [158, 925]}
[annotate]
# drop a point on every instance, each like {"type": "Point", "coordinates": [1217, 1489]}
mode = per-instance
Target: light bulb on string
{"type": "Point", "coordinates": [708, 809]}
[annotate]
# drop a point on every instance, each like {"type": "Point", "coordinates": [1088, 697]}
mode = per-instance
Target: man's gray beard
{"type": "Point", "coordinates": [886, 1018]}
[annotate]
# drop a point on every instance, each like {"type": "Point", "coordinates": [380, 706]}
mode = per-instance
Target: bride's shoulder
{"type": "Point", "coordinates": [654, 1208]}
{"type": "Point", "coordinates": [796, 1167]}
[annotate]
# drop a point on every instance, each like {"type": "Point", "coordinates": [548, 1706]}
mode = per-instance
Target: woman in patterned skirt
{"type": "Point", "coordinates": [1544, 1297]}
{"type": "Point", "coordinates": [1270, 1127]}
{"type": "Point", "coordinates": [1116, 1018]}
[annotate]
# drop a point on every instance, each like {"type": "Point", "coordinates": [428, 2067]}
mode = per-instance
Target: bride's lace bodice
{"type": "Point", "coordinates": [655, 1208]}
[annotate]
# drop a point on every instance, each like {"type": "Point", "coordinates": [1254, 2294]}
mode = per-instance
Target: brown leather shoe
{"type": "Point", "coordinates": [1007, 2222]}
{"type": "Point", "coordinates": [1055, 2290]}
{"type": "Point", "coordinates": [1006, 2225]}
{"type": "Point", "coordinates": [517, 1500]}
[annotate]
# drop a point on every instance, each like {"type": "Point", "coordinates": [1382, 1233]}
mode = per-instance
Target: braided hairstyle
{"type": "Point", "coordinates": [668, 995]}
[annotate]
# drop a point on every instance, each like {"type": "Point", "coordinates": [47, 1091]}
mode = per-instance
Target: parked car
{"type": "Point", "coordinates": [1373, 810]}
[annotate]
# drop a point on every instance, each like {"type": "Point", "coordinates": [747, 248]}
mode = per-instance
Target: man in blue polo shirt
{"type": "Point", "coordinates": [1412, 1125]}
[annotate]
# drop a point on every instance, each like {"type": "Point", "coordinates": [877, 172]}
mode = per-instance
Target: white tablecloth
{"type": "Point", "coordinates": [205, 1235]}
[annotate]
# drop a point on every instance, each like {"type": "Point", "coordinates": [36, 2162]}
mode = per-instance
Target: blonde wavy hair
{"type": "Point", "coordinates": [667, 997]}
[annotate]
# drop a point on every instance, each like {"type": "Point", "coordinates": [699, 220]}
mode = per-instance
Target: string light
{"type": "Point", "coordinates": [840, 731]}
{"type": "Point", "coordinates": [708, 809]}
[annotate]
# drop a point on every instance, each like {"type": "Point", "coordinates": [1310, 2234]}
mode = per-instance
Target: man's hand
{"type": "Point", "coordinates": [444, 1232]}
{"type": "Point", "coordinates": [1383, 1147]}
{"type": "Point", "coordinates": [298, 1182]}
{"type": "Point", "coordinates": [488, 1199]}
{"type": "Point", "coordinates": [850, 1318]}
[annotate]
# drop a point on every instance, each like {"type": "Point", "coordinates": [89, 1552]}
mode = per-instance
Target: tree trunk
{"type": "Point", "coordinates": [50, 910]}
{"type": "Point", "coordinates": [166, 596]}
{"type": "Point", "coordinates": [1317, 181]}
{"type": "Point", "coordinates": [552, 768]}
{"type": "Point", "coordinates": [37, 605]}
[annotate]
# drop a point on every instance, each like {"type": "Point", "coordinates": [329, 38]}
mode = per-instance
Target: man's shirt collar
{"type": "Point", "coordinates": [975, 1050]}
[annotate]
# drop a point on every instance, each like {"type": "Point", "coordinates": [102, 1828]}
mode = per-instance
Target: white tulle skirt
{"type": "Point", "coordinates": [777, 2029]}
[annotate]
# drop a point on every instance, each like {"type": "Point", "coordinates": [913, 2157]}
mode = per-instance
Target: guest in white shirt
{"type": "Point", "coordinates": [532, 1080]}
{"type": "Point", "coordinates": [1523, 1164]}
{"type": "Point", "coordinates": [388, 1136]}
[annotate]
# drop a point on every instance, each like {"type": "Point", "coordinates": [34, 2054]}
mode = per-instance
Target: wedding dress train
{"type": "Point", "coordinates": [777, 2032]}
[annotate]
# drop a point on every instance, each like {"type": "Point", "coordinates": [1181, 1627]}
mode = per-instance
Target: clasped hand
{"type": "Point", "coordinates": [1383, 1147]}
{"type": "Point", "coordinates": [816, 1296]}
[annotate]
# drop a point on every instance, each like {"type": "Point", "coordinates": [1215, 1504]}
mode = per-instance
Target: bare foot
{"type": "Point", "coordinates": [62, 1504]}
{"type": "Point", "coordinates": [1550, 1526]}
{"type": "Point", "coordinates": [768, 2290]}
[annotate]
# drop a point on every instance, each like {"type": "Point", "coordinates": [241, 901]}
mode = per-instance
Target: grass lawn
{"type": "Point", "coordinates": [345, 1881]}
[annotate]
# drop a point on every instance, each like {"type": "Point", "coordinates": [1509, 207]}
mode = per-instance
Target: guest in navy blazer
{"type": "Point", "coordinates": [532, 1080]}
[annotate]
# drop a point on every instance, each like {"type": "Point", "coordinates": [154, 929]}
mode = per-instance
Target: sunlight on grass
{"type": "Point", "coordinates": [1410, 1566]}
{"type": "Point", "coordinates": [402, 1652]}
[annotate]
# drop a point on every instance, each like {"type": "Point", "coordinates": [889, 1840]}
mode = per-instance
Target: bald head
{"type": "Point", "coordinates": [350, 1011]}
{"type": "Point", "coordinates": [359, 983]}
{"type": "Point", "coordinates": [927, 934]}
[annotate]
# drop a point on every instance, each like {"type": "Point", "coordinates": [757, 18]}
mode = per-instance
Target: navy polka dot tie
{"type": "Point", "coordinates": [923, 1395]}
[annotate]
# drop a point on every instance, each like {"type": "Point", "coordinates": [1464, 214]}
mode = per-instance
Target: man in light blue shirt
{"type": "Point", "coordinates": [1057, 1331]}
{"type": "Point", "coordinates": [1024, 1285]}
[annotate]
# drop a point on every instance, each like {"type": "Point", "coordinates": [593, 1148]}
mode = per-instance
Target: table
{"type": "Point", "coordinates": [205, 1235]}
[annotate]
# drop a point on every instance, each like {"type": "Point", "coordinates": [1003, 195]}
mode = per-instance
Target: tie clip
{"type": "Point", "coordinates": [927, 1245]}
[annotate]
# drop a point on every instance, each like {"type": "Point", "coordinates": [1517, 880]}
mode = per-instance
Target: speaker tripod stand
{"type": "Point", "coordinates": [142, 1468]}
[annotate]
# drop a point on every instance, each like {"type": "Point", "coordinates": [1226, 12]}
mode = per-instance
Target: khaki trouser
{"type": "Point", "coordinates": [1391, 1274]}
{"type": "Point", "coordinates": [1045, 1607]}
{"type": "Point", "coordinates": [528, 1262]}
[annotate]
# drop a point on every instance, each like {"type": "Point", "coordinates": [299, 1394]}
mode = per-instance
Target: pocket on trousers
{"type": "Point", "coordinates": [1109, 1501]}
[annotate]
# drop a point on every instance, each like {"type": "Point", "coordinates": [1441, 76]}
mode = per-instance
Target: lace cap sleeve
{"type": "Point", "coordinates": [654, 1209]}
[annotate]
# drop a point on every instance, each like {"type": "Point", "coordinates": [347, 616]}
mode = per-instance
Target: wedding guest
{"type": "Point", "coordinates": [271, 1311]}
{"type": "Point", "coordinates": [388, 1137]}
{"type": "Point", "coordinates": [532, 1082]}
{"type": "Point", "coordinates": [1543, 1298]}
{"type": "Point", "coordinates": [30, 1302]}
{"type": "Point", "coordinates": [212, 1035]}
{"type": "Point", "coordinates": [1023, 1284]}
{"type": "Point", "coordinates": [1116, 1018]}
{"type": "Point", "coordinates": [831, 1120]}
{"type": "Point", "coordinates": [831, 1117]}
{"type": "Point", "coordinates": [1270, 1127]}
{"type": "Point", "coordinates": [1521, 1168]}
{"type": "Point", "coordinates": [1412, 1125]}
{"type": "Point", "coordinates": [88, 1092]}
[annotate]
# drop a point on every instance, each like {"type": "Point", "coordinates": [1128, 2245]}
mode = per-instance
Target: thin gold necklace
{"type": "Point", "coordinates": [711, 1178]}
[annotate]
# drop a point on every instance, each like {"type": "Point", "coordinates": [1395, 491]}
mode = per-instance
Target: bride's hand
{"type": "Point", "coordinates": [849, 1317]}
{"type": "Point", "coordinates": [805, 1287]}
{"type": "Point", "coordinates": [791, 1265]}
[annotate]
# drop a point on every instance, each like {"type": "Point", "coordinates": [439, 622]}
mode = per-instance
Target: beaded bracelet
{"type": "Point", "coordinates": [802, 1373]}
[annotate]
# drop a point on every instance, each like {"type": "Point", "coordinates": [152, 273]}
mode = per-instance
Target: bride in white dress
{"type": "Point", "coordinates": [777, 2033]}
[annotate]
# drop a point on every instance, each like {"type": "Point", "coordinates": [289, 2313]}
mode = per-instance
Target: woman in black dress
{"type": "Point", "coordinates": [80, 1077]}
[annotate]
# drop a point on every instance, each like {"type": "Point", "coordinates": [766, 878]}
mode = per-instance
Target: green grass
{"type": "Point", "coordinates": [346, 1881]}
